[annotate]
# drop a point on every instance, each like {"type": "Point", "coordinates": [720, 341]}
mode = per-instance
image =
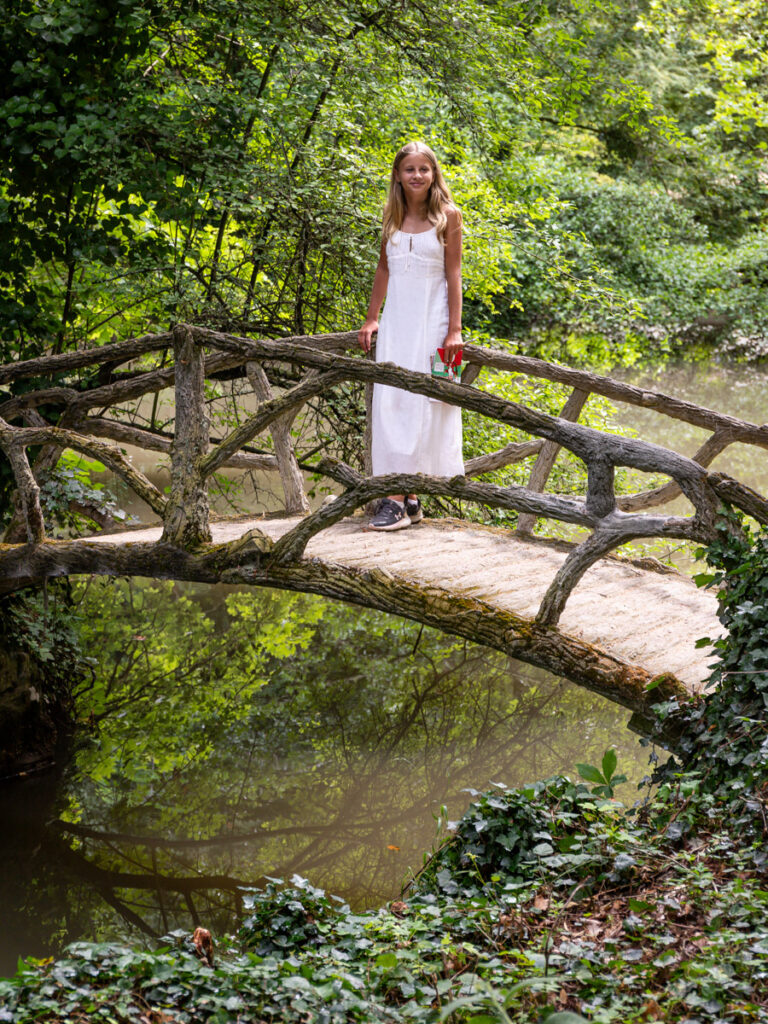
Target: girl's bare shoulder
{"type": "Point", "coordinates": [452, 216]}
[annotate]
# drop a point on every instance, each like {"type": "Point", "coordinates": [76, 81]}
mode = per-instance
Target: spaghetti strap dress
{"type": "Point", "coordinates": [411, 433]}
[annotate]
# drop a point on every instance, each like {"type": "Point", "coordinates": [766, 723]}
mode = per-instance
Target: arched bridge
{"type": "Point", "coordinates": [613, 625]}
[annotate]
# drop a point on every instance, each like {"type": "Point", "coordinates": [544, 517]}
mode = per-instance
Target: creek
{"type": "Point", "coordinates": [238, 735]}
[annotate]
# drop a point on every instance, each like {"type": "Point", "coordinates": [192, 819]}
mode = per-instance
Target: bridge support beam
{"type": "Point", "coordinates": [186, 518]}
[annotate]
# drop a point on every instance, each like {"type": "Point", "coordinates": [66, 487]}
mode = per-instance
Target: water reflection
{"type": "Point", "coordinates": [238, 735]}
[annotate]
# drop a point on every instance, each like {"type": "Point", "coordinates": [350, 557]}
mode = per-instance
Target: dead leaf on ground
{"type": "Point", "coordinates": [615, 927]}
{"type": "Point", "coordinates": [652, 1010]}
{"type": "Point", "coordinates": [203, 943]}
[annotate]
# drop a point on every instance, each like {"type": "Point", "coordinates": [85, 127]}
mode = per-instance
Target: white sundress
{"type": "Point", "coordinates": [412, 433]}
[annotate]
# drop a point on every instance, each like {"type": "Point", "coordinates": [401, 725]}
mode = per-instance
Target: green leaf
{"type": "Point", "coordinates": [609, 763]}
{"type": "Point", "coordinates": [703, 579]}
{"type": "Point", "coordinates": [590, 773]}
{"type": "Point", "coordinates": [640, 906]}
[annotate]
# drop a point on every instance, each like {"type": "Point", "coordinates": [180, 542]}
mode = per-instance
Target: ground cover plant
{"type": "Point", "coordinates": [549, 902]}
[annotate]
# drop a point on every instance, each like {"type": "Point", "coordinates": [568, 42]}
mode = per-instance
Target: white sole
{"type": "Point", "coordinates": [401, 524]}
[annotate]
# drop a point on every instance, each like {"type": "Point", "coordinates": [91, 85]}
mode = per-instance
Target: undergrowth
{"type": "Point", "coordinates": [547, 903]}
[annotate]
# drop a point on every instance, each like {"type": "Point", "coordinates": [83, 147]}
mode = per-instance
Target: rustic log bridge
{"type": "Point", "coordinates": [186, 551]}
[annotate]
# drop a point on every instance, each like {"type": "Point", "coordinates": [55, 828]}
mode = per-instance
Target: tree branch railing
{"type": "Point", "coordinates": [321, 360]}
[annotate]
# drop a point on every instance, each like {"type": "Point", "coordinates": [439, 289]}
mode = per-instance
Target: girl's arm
{"type": "Point", "coordinates": [452, 343]}
{"type": "Point", "coordinates": [378, 294]}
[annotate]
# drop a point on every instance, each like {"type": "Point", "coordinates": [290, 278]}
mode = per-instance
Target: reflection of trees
{"type": "Point", "coordinates": [332, 769]}
{"type": "Point", "coordinates": [109, 883]}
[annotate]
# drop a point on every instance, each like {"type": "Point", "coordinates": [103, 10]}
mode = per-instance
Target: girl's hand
{"type": "Point", "coordinates": [365, 334]}
{"type": "Point", "coordinates": [452, 345]}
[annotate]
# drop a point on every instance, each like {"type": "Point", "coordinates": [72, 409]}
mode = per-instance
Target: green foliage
{"type": "Point", "coordinates": [282, 919]}
{"type": "Point", "coordinates": [46, 625]}
{"type": "Point", "coordinates": [507, 835]}
{"type": "Point", "coordinates": [227, 163]}
{"type": "Point", "coordinates": [723, 749]}
{"type": "Point", "coordinates": [606, 777]}
{"type": "Point", "coordinates": [71, 499]}
{"type": "Point", "coordinates": [65, 156]}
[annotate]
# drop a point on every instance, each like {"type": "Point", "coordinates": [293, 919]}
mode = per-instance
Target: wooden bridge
{"type": "Point", "coordinates": [610, 624]}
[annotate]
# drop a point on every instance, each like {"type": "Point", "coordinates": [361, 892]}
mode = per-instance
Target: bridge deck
{"type": "Point", "coordinates": [647, 618]}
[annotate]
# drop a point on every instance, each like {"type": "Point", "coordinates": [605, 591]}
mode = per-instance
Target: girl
{"type": "Point", "coordinates": [419, 272]}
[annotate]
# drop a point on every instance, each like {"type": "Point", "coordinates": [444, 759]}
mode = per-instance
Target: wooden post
{"type": "Point", "coordinates": [547, 456]}
{"type": "Point", "coordinates": [186, 518]}
{"type": "Point", "coordinates": [27, 489]}
{"type": "Point", "coordinates": [45, 461]}
{"type": "Point", "coordinates": [368, 437]}
{"type": "Point", "coordinates": [601, 496]}
{"type": "Point", "coordinates": [370, 508]}
{"type": "Point", "coordinates": [296, 502]}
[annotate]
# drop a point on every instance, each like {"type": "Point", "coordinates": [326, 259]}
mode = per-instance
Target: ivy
{"type": "Point", "coordinates": [550, 902]}
{"type": "Point", "coordinates": [723, 749]}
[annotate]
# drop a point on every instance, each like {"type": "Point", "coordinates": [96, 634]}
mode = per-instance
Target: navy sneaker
{"type": "Point", "coordinates": [390, 516]}
{"type": "Point", "coordinates": [413, 510]}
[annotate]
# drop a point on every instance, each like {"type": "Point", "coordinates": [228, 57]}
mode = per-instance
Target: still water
{"type": "Point", "coordinates": [242, 735]}
{"type": "Point", "coordinates": [229, 736]}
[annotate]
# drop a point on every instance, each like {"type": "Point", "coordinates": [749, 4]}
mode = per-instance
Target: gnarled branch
{"type": "Point", "coordinates": [267, 414]}
{"type": "Point", "coordinates": [27, 487]}
{"type": "Point", "coordinates": [288, 467]}
{"type": "Point", "coordinates": [106, 453]}
{"type": "Point", "coordinates": [120, 352]}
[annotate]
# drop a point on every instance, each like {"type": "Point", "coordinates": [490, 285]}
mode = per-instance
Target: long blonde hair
{"type": "Point", "coordinates": [438, 198]}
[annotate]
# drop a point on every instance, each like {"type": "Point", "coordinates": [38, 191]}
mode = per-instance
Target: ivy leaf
{"type": "Point", "coordinates": [590, 773]}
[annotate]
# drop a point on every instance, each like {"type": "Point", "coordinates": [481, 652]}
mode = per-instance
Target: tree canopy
{"type": "Point", "coordinates": [226, 163]}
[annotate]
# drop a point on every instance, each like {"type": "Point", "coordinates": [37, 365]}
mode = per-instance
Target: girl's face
{"type": "Point", "coordinates": [415, 174]}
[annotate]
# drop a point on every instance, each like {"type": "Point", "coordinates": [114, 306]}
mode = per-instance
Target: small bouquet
{"type": "Point", "coordinates": [449, 371]}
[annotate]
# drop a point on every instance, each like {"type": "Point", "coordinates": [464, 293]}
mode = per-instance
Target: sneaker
{"type": "Point", "coordinates": [390, 516]}
{"type": "Point", "coordinates": [413, 510]}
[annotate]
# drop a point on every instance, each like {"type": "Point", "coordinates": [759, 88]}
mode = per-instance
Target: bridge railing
{"type": "Point", "coordinates": [201, 353]}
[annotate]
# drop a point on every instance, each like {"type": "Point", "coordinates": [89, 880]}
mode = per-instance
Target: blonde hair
{"type": "Point", "coordinates": [439, 197]}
